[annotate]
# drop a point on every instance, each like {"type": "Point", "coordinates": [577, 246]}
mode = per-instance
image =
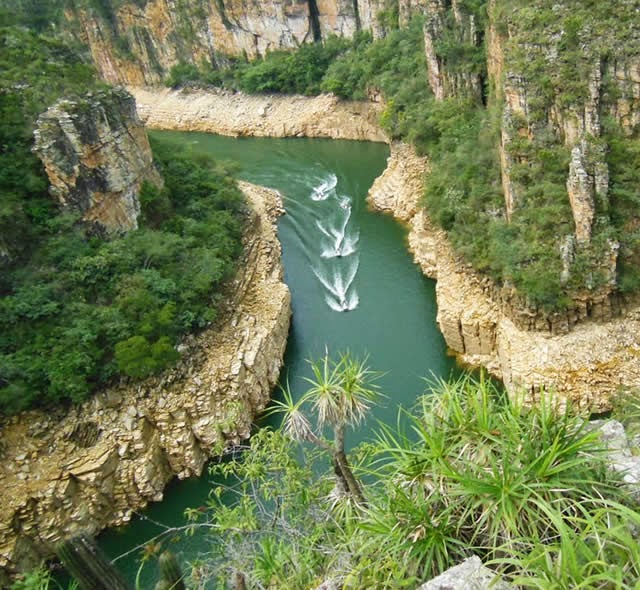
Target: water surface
{"type": "Point", "coordinates": [354, 287]}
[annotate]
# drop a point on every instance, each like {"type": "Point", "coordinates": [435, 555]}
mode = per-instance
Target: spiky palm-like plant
{"type": "Point", "coordinates": [341, 393]}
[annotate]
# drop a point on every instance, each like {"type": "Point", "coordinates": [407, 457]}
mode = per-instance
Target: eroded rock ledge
{"type": "Point", "coordinates": [587, 364]}
{"type": "Point", "coordinates": [226, 113]}
{"type": "Point", "coordinates": [92, 467]}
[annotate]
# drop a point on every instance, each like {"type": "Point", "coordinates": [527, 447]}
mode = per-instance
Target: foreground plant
{"type": "Point", "coordinates": [473, 472]}
{"type": "Point", "coordinates": [468, 471]}
{"type": "Point", "coordinates": [340, 395]}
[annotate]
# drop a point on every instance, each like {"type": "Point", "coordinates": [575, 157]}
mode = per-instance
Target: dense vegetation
{"type": "Point", "coordinates": [82, 310]}
{"type": "Point", "coordinates": [77, 310]}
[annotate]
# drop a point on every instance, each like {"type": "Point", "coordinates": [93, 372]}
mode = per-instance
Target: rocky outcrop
{"type": "Point", "coordinates": [588, 364]}
{"type": "Point", "coordinates": [468, 575]}
{"type": "Point", "coordinates": [95, 465]}
{"type": "Point", "coordinates": [264, 116]}
{"type": "Point", "coordinates": [446, 20]}
{"type": "Point", "coordinates": [96, 154]}
{"type": "Point", "coordinates": [137, 43]}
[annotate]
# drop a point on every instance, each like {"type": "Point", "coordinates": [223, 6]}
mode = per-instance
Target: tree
{"type": "Point", "coordinates": [340, 395]}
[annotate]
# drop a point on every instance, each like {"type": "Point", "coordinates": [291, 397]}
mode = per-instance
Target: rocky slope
{"type": "Point", "coordinates": [93, 466]}
{"type": "Point", "coordinates": [96, 154]}
{"type": "Point", "coordinates": [588, 364]}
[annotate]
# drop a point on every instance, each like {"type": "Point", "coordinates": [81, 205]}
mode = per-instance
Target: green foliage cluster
{"type": "Point", "coordinates": [466, 472]}
{"type": "Point", "coordinates": [286, 72]}
{"type": "Point", "coordinates": [81, 310]}
{"type": "Point", "coordinates": [37, 15]}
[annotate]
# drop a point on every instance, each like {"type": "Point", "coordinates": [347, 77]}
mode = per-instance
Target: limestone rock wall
{"type": "Point", "coordinates": [138, 43]}
{"type": "Point", "coordinates": [96, 154]}
{"type": "Point", "coordinates": [588, 364]}
{"type": "Point", "coordinates": [450, 18]}
{"type": "Point", "coordinates": [572, 116]}
{"type": "Point", "coordinates": [92, 467]}
{"type": "Point", "coordinates": [271, 116]}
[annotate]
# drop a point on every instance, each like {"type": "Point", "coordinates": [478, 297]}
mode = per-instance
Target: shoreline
{"type": "Point", "coordinates": [91, 468]}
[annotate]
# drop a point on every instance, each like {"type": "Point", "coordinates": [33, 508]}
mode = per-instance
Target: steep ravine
{"type": "Point", "coordinates": [588, 363]}
{"type": "Point", "coordinates": [92, 467]}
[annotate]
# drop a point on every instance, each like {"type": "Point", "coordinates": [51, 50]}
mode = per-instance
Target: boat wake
{"type": "Point", "coordinates": [323, 191]}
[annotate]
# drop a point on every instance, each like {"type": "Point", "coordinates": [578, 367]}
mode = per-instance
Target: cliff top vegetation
{"type": "Point", "coordinates": [76, 309]}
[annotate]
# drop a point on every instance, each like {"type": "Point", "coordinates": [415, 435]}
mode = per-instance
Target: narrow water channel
{"type": "Point", "coordinates": [353, 284]}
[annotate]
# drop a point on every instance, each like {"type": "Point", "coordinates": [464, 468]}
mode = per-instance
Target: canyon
{"type": "Point", "coordinates": [587, 364]}
{"type": "Point", "coordinates": [95, 465]}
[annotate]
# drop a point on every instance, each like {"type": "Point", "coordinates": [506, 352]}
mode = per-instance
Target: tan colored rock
{"type": "Point", "coordinates": [587, 364]}
{"type": "Point", "coordinates": [581, 191]}
{"type": "Point", "coordinates": [96, 154]}
{"type": "Point", "coordinates": [141, 43]}
{"type": "Point", "coordinates": [263, 116]}
{"type": "Point", "coordinates": [95, 476]}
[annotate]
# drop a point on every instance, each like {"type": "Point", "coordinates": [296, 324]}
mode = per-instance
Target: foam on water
{"type": "Point", "coordinates": [324, 190]}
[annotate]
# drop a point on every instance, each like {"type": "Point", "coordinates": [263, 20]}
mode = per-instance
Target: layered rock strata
{"type": "Point", "coordinates": [263, 116]}
{"type": "Point", "coordinates": [95, 465]}
{"type": "Point", "coordinates": [96, 154]}
{"type": "Point", "coordinates": [587, 365]}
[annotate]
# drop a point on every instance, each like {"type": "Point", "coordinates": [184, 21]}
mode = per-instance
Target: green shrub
{"type": "Point", "coordinates": [466, 472]}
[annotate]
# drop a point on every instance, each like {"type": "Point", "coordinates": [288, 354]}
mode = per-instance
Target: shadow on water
{"type": "Point", "coordinates": [373, 300]}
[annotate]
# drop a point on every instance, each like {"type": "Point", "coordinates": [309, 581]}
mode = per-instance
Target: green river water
{"type": "Point", "coordinates": [354, 287]}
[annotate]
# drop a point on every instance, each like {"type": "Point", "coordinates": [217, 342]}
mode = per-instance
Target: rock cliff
{"type": "Point", "coordinates": [96, 154]}
{"type": "Point", "coordinates": [449, 23]}
{"type": "Point", "coordinates": [90, 468]}
{"type": "Point", "coordinates": [587, 365]}
{"type": "Point", "coordinates": [566, 83]}
{"type": "Point", "coordinates": [137, 43]}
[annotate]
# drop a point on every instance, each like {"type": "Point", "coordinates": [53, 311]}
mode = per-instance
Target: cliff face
{"type": "Point", "coordinates": [137, 43]}
{"type": "Point", "coordinates": [97, 155]}
{"type": "Point", "coordinates": [449, 23]}
{"type": "Point", "coordinates": [587, 365]}
{"type": "Point", "coordinates": [567, 80]}
{"type": "Point", "coordinates": [92, 467]}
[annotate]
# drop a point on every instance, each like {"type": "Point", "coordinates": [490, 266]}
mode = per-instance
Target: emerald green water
{"type": "Point", "coordinates": [393, 310]}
